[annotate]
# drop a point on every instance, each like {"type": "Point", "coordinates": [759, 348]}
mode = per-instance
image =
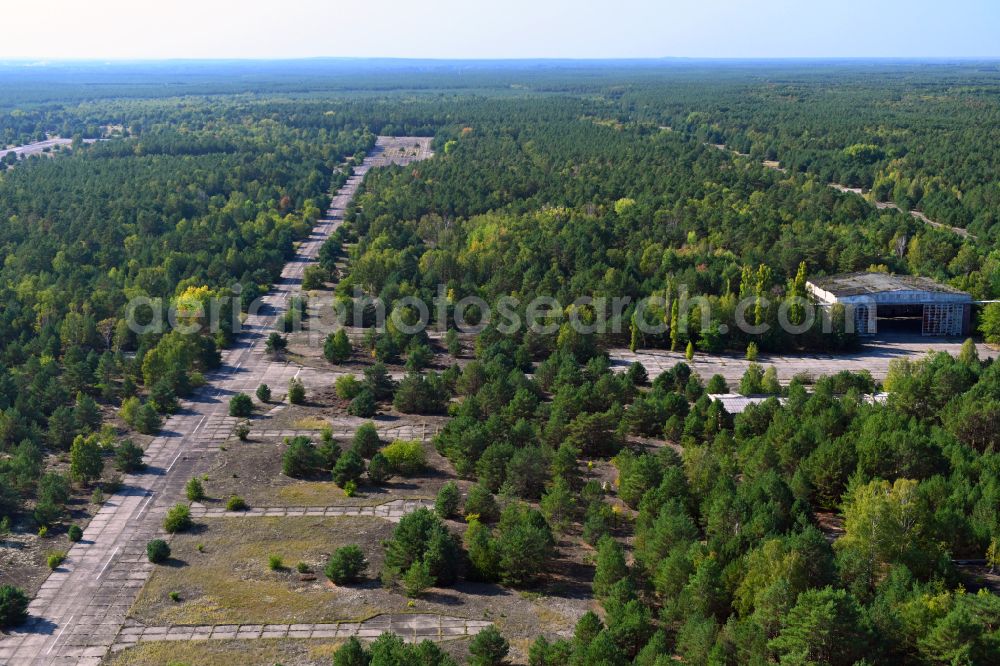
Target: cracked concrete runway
{"type": "Point", "coordinates": [412, 628]}
{"type": "Point", "coordinates": [392, 511]}
{"type": "Point", "coordinates": [81, 608]}
{"type": "Point", "coordinates": [874, 356]}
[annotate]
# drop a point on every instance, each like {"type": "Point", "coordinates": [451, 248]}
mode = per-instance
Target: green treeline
{"type": "Point", "coordinates": [196, 205]}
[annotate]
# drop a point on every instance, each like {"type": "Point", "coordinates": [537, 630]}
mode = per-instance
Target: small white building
{"type": "Point", "coordinates": [898, 302]}
{"type": "Point", "coordinates": [734, 403]}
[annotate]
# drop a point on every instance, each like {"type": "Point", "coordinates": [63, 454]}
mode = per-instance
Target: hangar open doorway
{"type": "Point", "coordinates": [897, 303]}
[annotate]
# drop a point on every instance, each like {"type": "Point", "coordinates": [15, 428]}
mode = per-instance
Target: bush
{"type": "Point", "coordinates": [264, 393]}
{"type": "Point", "coordinates": [47, 511]}
{"type": "Point", "coordinates": [52, 490]}
{"type": "Point", "coordinates": [421, 537]}
{"type": "Point", "coordinates": [417, 394]}
{"type": "Point", "coordinates": [388, 649]}
{"type": "Point", "coordinates": [716, 385]}
{"type": "Point", "coordinates": [597, 523]}
{"type": "Point", "coordinates": [275, 563]}
{"type": "Point", "coordinates": [448, 501]}
{"type": "Point", "coordinates": [130, 410]}
{"type": "Point", "coordinates": [544, 653]}
{"type": "Point", "coordinates": [163, 397]}
{"type": "Point", "coordinates": [194, 490]}
{"type": "Point", "coordinates": [752, 382]}
{"type": "Point", "coordinates": [296, 392]}
{"type": "Point", "coordinates": [313, 277]}
{"type": "Point", "coordinates": [276, 344]}
{"type": "Point", "coordinates": [85, 461]}
{"type": "Point", "coordinates": [769, 382]}
{"type": "Point", "coordinates": [378, 381]}
{"type": "Point", "coordinates": [637, 374]}
{"type": "Point", "coordinates": [114, 484]}
{"type": "Point", "coordinates": [488, 648]}
{"type": "Point", "coordinates": [418, 356]}
{"type": "Point", "coordinates": [491, 468]}
{"type": "Point", "coordinates": [336, 347]}
{"type": "Point", "coordinates": [417, 579]}
{"type": "Point", "coordinates": [351, 653]}
{"type": "Point", "coordinates": [178, 519]}
{"type": "Point", "coordinates": [526, 473]}
{"type": "Point", "coordinates": [346, 565]}
{"type": "Point", "coordinates": [13, 606]}
{"type": "Point", "coordinates": [240, 405]}
{"type": "Point", "coordinates": [301, 459]}
{"type": "Point", "coordinates": [405, 457]}
{"type": "Point", "coordinates": [349, 467]}
{"type": "Point", "coordinates": [385, 348]}
{"type": "Point", "coordinates": [75, 533]}
{"type": "Point", "coordinates": [347, 387]}
{"type": "Point", "coordinates": [147, 420]}
{"type": "Point", "coordinates": [559, 505]}
{"type": "Point", "coordinates": [363, 405]}
{"type": "Point", "coordinates": [989, 323]}
{"type": "Point", "coordinates": [366, 441]}
{"type": "Point", "coordinates": [243, 431]}
{"type": "Point", "coordinates": [524, 543]}
{"type": "Point", "coordinates": [483, 558]}
{"type": "Point", "coordinates": [128, 457]}
{"type": "Point", "coordinates": [481, 502]}
{"type": "Point", "coordinates": [452, 342]}
{"type": "Point", "coordinates": [55, 559]}
{"type": "Point", "coordinates": [236, 503]}
{"type": "Point", "coordinates": [86, 412]}
{"type": "Point", "coordinates": [379, 470]}
{"type": "Point", "coordinates": [157, 551]}
{"type": "Point", "coordinates": [611, 567]}
{"type": "Point", "coordinates": [329, 451]}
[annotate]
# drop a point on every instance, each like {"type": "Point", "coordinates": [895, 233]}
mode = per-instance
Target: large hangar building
{"type": "Point", "coordinates": [903, 303]}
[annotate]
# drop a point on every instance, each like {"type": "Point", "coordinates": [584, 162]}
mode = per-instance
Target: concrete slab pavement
{"type": "Point", "coordinates": [874, 356]}
{"type": "Point", "coordinates": [412, 628]}
{"type": "Point", "coordinates": [82, 606]}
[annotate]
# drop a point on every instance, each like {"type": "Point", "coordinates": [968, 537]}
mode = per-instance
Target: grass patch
{"type": "Point", "coordinates": [259, 652]}
{"type": "Point", "coordinates": [310, 423]}
{"type": "Point", "coordinates": [322, 493]}
{"type": "Point", "coordinates": [230, 582]}
{"type": "Point", "coordinates": [309, 493]}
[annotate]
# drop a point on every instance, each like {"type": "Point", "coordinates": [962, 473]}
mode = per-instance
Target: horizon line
{"type": "Point", "coordinates": [43, 60]}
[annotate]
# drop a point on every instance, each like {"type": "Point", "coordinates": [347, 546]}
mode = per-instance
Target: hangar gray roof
{"type": "Point", "coordinates": [860, 284]}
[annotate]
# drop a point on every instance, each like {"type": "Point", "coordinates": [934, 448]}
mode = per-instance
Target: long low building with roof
{"type": "Point", "coordinates": [882, 301]}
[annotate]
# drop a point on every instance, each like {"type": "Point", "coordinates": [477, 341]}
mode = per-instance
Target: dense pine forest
{"type": "Point", "coordinates": [714, 545]}
{"type": "Point", "coordinates": [192, 206]}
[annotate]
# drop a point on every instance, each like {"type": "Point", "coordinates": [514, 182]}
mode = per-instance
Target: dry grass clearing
{"type": "Point", "coordinates": [259, 652]}
{"type": "Point", "coordinates": [229, 580]}
{"type": "Point", "coordinates": [253, 471]}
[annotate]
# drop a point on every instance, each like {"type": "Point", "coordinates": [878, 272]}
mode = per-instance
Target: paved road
{"type": "Point", "coordinates": [82, 606]}
{"type": "Point", "coordinates": [874, 356]}
{"type": "Point", "coordinates": [40, 146]}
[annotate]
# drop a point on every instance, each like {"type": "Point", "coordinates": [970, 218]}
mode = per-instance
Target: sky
{"type": "Point", "coordinates": [141, 29]}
